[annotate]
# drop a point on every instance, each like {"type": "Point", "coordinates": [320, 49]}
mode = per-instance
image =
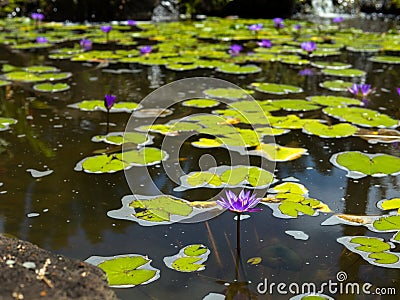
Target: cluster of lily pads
{"type": "Point", "coordinates": [235, 47]}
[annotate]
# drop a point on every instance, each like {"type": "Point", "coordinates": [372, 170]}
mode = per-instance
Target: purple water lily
{"type": "Point", "coordinates": [146, 49]}
{"type": "Point", "coordinates": [278, 23]}
{"type": "Point", "coordinates": [235, 49]}
{"type": "Point", "coordinates": [398, 90]}
{"type": "Point", "coordinates": [106, 28]}
{"type": "Point", "coordinates": [37, 16]}
{"type": "Point", "coordinates": [131, 22]}
{"type": "Point", "coordinates": [239, 204]}
{"type": "Point", "coordinates": [308, 46]}
{"type": "Point", "coordinates": [306, 72]}
{"type": "Point", "coordinates": [265, 43]}
{"type": "Point", "coordinates": [86, 44]}
{"type": "Point", "coordinates": [361, 90]}
{"type": "Point", "coordinates": [255, 27]}
{"type": "Point", "coordinates": [109, 101]}
{"type": "Point", "coordinates": [297, 27]}
{"type": "Point", "coordinates": [337, 20]}
{"type": "Point", "coordinates": [41, 40]}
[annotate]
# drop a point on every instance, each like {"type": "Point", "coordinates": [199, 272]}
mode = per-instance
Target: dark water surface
{"type": "Point", "coordinates": [73, 205]}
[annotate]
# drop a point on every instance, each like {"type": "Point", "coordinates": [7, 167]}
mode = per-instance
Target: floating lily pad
{"type": "Point", "coordinates": [99, 164]}
{"type": "Point", "coordinates": [162, 210]}
{"type": "Point", "coordinates": [332, 131]}
{"type": "Point", "coordinates": [41, 69]}
{"type": "Point", "coordinates": [226, 93]}
{"type": "Point", "coordinates": [227, 176]}
{"type": "Point", "coordinates": [387, 223]}
{"type": "Point", "coordinates": [56, 76]}
{"type": "Point", "coordinates": [51, 88]}
{"type": "Point", "coordinates": [330, 65]}
{"type": "Point", "coordinates": [275, 152]}
{"type": "Point", "coordinates": [273, 88]}
{"type": "Point", "coordinates": [344, 72]}
{"type": "Point", "coordinates": [381, 135]}
{"type": "Point", "coordinates": [201, 103]}
{"type": "Point", "coordinates": [385, 59]}
{"type": "Point", "coordinates": [207, 143]}
{"type": "Point", "coordinates": [23, 76]}
{"type": "Point", "coordinates": [187, 260]}
{"type": "Point", "coordinates": [118, 138]}
{"type": "Point", "coordinates": [359, 164]}
{"type": "Point", "coordinates": [288, 122]}
{"type": "Point", "coordinates": [125, 271]}
{"type": "Point", "coordinates": [389, 204]}
{"type": "Point", "coordinates": [5, 122]}
{"type": "Point", "coordinates": [336, 85]}
{"type": "Point", "coordinates": [294, 104]}
{"type": "Point", "coordinates": [93, 105]}
{"type": "Point", "coordinates": [4, 83]}
{"type": "Point", "coordinates": [368, 244]}
{"type": "Point", "coordinates": [237, 69]}
{"type": "Point", "coordinates": [362, 116]}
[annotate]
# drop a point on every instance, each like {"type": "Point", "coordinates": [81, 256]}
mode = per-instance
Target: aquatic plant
{"type": "Point", "coordinates": [337, 20]}
{"type": "Point", "coordinates": [146, 49]}
{"type": "Point", "coordinates": [278, 23]}
{"type": "Point", "coordinates": [239, 204]}
{"type": "Point", "coordinates": [106, 29]}
{"type": "Point", "coordinates": [308, 46]}
{"type": "Point", "coordinates": [235, 49]}
{"type": "Point", "coordinates": [131, 23]}
{"type": "Point", "coordinates": [41, 40]}
{"type": "Point", "coordinates": [360, 90]}
{"type": "Point", "coordinates": [306, 72]}
{"type": "Point", "coordinates": [108, 103]}
{"type": "Point", "coordinates": [86, 44]}
{"type": "Point", "coordinates": [265, 43]}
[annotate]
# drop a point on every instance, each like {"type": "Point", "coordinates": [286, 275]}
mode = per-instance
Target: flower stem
{"type": "Point", "coordinates": [237, 262]}
{"type": "Point", "coordinates": [108, 121]}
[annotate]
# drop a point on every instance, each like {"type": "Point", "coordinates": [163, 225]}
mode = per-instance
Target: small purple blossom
{"type": "Point", "coordinates": [239, 204]}
{"type": "Point", "coordinates": [41, 40]}
{"type": "Point", "coordinates": [86, 44]}
{"type": "Point", "coordinates": [37, 16]}
{"type": "Point", "coordinates": [146, 49]}
{"type": "Point", "coordinates": [235, 49]}
{"type": "Point", "coordinates": [308, 46]}
{"type": "Point", "coordinates": [398, 90]}
{"type": "Point", "coordinates": [265, 43]}
{"type": "Point", "coordinates": [131, 22]}
{"type": "Point", "coordinates": [255, 27]}
{"type": "Point", "coordinates": [306, 72]}
{"type": "Point", "coordinates": [361, 90]}
{"type": "Point", "coordinates": [297, 27]}
{"type": "Point", "coordinates": [337, 20]}
{"type": "Point", "coordinates": [106, 28]}
{"type": "Point", "coordinates": [278, 23]}
{"type": "Point", "coordinates": [109, 101]}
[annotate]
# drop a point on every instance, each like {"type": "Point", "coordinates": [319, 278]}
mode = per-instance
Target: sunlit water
{"type": "Point", "coordinates": [73, 205]}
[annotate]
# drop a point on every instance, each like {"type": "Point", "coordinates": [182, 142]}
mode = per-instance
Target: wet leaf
{"type": "Point", "coordinates": [195, 250]}
{"type": "Point", "coordinates": [226, 93]}
{"type": "Point", "coordinates": [275, 152]}
{"type": "Point", "coordinates": [238, 69]}
{"type": "Point", "coordinates": [368, 244]}
{"type": "Point", "coordinates": [344, 72]}
{"type": "Point", "coordinates": [336, 85]}
{"type": "Point", "coordinates": [385, 59]}
{"type": "Point", "coordinates": [93, 105]}
{"type": "Point", "coordinates": [384, 258]}
{"type": "Point", "coordinates": [189, 259]}
{"type": "Point", "coordinates": [51, 88]}
{"type": "Point", "coordinates": [254, 260]}
{"type": "Point", "coordinates": [201, 103]}
{"type": "Point", "coordinates": [334, 100]}
{"type": "Point", "coordinates": [273, 88]}
{"type": "Point", "coordinates": [390, 204]}
{"type": "Point", "coordinates": [326, 131]}
{"type": "Point", "coordinates": [387, 223]}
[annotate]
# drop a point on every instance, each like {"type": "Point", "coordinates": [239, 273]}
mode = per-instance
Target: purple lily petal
{"type": "Point", "coordinates": [255, 27]}
{"type": "Point", "coordinates": [278, 22]}
{"type": "Point", "coordinates": [41, 40]}
{"type": "Point", "coordinates": [337, 20]}
{"type": "Point", "coordinates": [361, 90]}
{"type": "Point", "coordinates": [37, 16]}
{"type": "Point", "coordinates": [306, 72]}
{"type": "Point", "coordinates": [308, 46]}
{"type": "Point", "coordinates": [131, 22]}
{"type": "Point", "coordinates": [146, 49]}
{"type": "Point", "coordinates": [297, 27]}
{"type": "Point", "coordinates": [239, 204]}
{"type": "Point", "coordinates": [398, 91]}
{"type": "Point", "coordinates": [265, 43]}
{"type": "Point", "coordinates": [235, 49]}
{"type": "Point", "coordinates": [106, 28]}
{"type": "Point", "coordinates": [109, 101]}
{"type": "Point", "coordinates": [86, 44]}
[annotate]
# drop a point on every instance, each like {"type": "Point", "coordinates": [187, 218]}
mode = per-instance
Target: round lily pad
{"type": "Point", "coordinates": [385, 59]}
{"type": "Point", "coordinates": [201, 103]}
{"type": "Point", "coordinates": [41, 69]}
{"type": "Point", "coordinates": [23, 76]}
{"type": "Point", "coordinates": [332, 131]}
{"type": "Point", "coordinates": [344, 72]}
{"type": "Point", "coordinates": [273, 88]}
{"type": "Point", "coordinates": [330, 65]}
{"type": "Point", "coordinates": [237, 69]}
{"type": "Point", "coordinates": [56, 76]}
{"type": "Point", "coordinates": [92, 105]}
{"type": "Point", "coordinates": [226, 93]}
{"type": "Point", "coordinates": [4, 82]}
{"type": "Point", "coordinates": [275, 152]}
{"type": "Point", "coordinates": [336, 85]}
{"type": "Point", "coordinates": [51, 88]}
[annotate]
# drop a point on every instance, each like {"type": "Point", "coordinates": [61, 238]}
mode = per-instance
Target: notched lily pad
{"type": "Point", "coordinates": [273, 88]}
{"type": "Point", "coordinates": [188, 260]}
{"type": "Point", "coordinates": [329, 131]}
{"type": "Point", "coordinates": [238, 69]}
{"type": "Point", "coordinates": [201, 103]}
{"type": "Point", "coordinates": [93, 105]}
{"type": "Point", "coordinates": [226, 93]}
{"type": "Point", "coordinates": [125, 271]}
{"type": "Point", "coordinates": [51, 88]}
{"type": "Point", "coordinates": [275, 152]}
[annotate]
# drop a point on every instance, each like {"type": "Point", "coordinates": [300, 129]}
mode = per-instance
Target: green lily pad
{"type": "Point", "coordinates": [226, 93]}
{"type": "Point", "coordinates": [56, 76]}
{"type": "Point", "coordinates": [294, 104]}
{"type": "Point", "coordinates": [253, 175]}
{"type": "Point", "coordinates": [195, 250]}
{"type": "Point", "coordinates": [99, 164]}
{"type": "Point", "coordinates": [293, 209]}
{"type": "Point", "coordinates": [23, 76]}
{"type": "Point", "coordinates": [41, 69]}
{"type": "Point", "coordinates": [390, 204]}
{"type": "Point", "coordinates": [385, 59]}
{"type": "Point", "coordinates": [181, 67]}
{"type": "Point", "coordinates": [275, 152]}
{"type": "Point", "coordinates": [273, 88]}
{"type": "Point", "coordinates": [189, 259]}
{"type": "Point", "coordinates": [369, 244]}
{"type": "Point", "coordinates": [237, 69]}
{"type": "Point", "coordinates": [290, 187]}
{"type": "Point", "coordinates": [4, 82]}
{"type": "Point", "coordinates": [359, 164]}
{"type": "Point", "coordinates": [118, 138]}
{"type": "Point", "coordinates": [187, 264]}
{"type": "Point", "coordinates": [387, 223]}
{"type": "Point", "coordinates": [200, 179]}
{"type": "Point", "coordinates": [344, 72]}
{"type": "Point", "coordinates": [124, 271]}
{"type": "Point", "coordinates": [336, 85]}
{"type": "Point", "coordinates": [330, 65]}
{"type": "Point", "coordinates": [51, 88]}
{"type": "Point", "coordinates": [326, 131]}
{"type": "Point", "coordinates": [362, 116]}
{"type": "Point", "coordinates": [5, 122]}
{"type": "Point", "coordinates": [288, 122]}
{"type": "Point", "coordinates": [384, 258]}
{"type": "Point", "coordinates": [269, 131]}
{"type": "Point", "coordinates": [201, 103]}
{"type": "Point", "coordinates": [207, 143]}
{"type": "Point", "coordinates": [93, 105]}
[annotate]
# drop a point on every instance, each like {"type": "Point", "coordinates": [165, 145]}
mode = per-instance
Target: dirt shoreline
{"type": "Point", "coordinates": [29, 272]}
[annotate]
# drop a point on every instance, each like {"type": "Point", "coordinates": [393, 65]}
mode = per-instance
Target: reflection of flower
{"type": "Point", "coordinates": [278, 22]}
{"type": "Point", "coordinates": [131, 22]}
{"type": "Point", "coordinates": [86, 44]}
{"type": "Point", "coordinates": [41, 40]}
{"type": "Point", "coordinates": [265, 44]}
{"type": "Point", "coordinates": [306, 72]}
{"type": "Point", "coordinates": [37, 16]}
{"type": "Point", "coordinates": [235, 49]}
{"type": "Point", "coordinates": [239, 204]}
{"type": "Point", "coordinates": [146, 49]}
{"type": "Point", "coordinates": [337, 20]}
{"type": "Point", "coordinates": [361, 90]}
{"type": "Point", "coordinates": [255, 27]}
{"type": "Point", "coordinates": [109, 101]}
{"type": "Point", "coordinates": [308, 46]}
{"type": "Point", "coordinates": [106, 28]}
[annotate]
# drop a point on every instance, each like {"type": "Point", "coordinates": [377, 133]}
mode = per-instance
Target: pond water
{"type": "Point", "coordinates": [71, 207]}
